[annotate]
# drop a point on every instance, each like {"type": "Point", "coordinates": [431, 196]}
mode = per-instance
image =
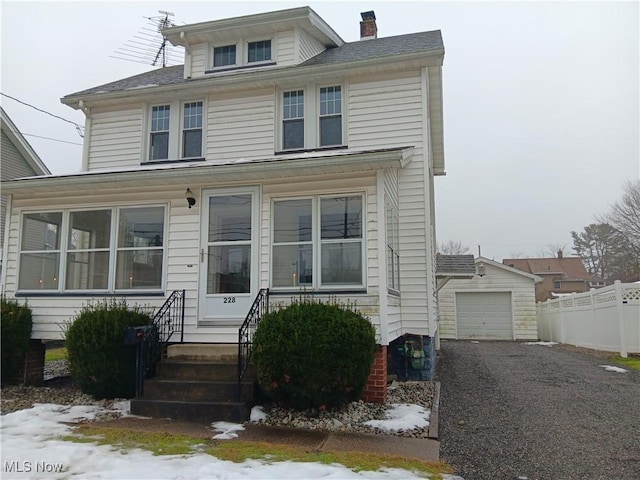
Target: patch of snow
{"type": "Point", "coordinates": [610, 368]}
{"type": "Point", "coordinates": [544, 344]}
{"type": "Point", "coordinates": [257, 414]}
{"type": "Point", "coordinates": [402, 416]}
{"type": "Point", "coordinates": [31, 441]}
{"type": "Point", "coordinates": [227, 430]}
{"type": "Point", "coordinates": [475, 341]}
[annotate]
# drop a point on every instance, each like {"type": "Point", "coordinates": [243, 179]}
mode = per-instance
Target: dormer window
{"type": "Point", "coordinates": [259, 51]}
{"type": "Point", "coordinates": [224, 56]}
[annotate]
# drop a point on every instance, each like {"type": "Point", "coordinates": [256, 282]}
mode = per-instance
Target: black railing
{"type": "Point", "coordinates": [152, 340]}
{"type": "Point", "coordinates": [258, 309]}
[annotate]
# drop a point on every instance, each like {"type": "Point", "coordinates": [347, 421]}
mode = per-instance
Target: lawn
{"type": "Point", "coordinates": [238, 451]}
{"type": "Point", "coordinates": [55, 354]}
{"type": "Point", "coordinates": [632, 362]}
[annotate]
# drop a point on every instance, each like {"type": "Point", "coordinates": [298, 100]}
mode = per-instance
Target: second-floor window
{"type": "Point", "coordinates": [176, 131]}
{"type": "Point", "coordinates": [224, 56]}
{"type": "Point", "coordinates": [312, 118]}
{"type": "Point", "coordinates": [293, 120]}
{"type": "Point", "coordinates": [330, 116]}
{"type": "Point", "coordinates": [192, 130]}
{"type": "Point", "coordinates": [160, 122]}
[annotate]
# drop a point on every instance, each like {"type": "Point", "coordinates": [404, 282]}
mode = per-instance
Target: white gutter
{"type": "Point", "coordinates": [273, 167]}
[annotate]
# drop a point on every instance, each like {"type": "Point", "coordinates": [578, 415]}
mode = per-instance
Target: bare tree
{"type": "Point", "coordinates": [452, 248]}
{"type": "Point", "coordinates": [624, 215]}
{"type": "Point", "coordinates": [552, 249]}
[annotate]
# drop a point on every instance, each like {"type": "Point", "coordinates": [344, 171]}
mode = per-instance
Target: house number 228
{"type": "Point", "coordinates": [229, 300]}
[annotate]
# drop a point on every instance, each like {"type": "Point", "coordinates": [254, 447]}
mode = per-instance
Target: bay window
{"type": "Point", "coordinates": [318, 242]}
{"type": "Point", "coordinates": [104, 250]}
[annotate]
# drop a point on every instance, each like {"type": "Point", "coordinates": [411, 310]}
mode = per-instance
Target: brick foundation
{"type": "Point", "coordinates": [376, 389]}
{"type": "Point", "coordinates": [32, 369]}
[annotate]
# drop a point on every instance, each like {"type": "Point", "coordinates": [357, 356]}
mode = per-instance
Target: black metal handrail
{"type": "Point", "coordinates": [169, 318]}
{"type": "Point", "coordinates": [152, 340]}
{"type": "Point", "coordinates": [258, 309]}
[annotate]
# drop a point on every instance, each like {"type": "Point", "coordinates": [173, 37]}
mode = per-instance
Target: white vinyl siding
{"type": "Point", "coordinates": [521, 289]}
{"type": "Point", "coordinates": [285, 48]}
{"type": "Point", "coordinates": [308, 46]}
{"type": "Point", "coordinates": [198, 60]}
{"type": "Point", "coordinates": [388, 112]}
{"type": "Point", "coordinates": [240, 126]}
{"type": "Point", "coordinates": [116, 139]}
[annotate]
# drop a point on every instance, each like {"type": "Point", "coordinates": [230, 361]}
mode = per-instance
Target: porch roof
{"type": "Point", "coordinates": [277, 166]}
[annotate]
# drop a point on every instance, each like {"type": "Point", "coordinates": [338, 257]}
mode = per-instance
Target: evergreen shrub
{"type": "Point", "coordinates": [101, 364]}
{"type": "Point", "coordinates": [314, 355]}
{"type": "Point", "coordinates": [16, 324]}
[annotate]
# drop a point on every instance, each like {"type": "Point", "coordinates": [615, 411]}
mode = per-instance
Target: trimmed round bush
{"type": "Point", "coordinates": [101, 364]}
{"type": "Point", "coordinates": [16, 324]}
{"type": "Point", "coordinates": [314, 355]}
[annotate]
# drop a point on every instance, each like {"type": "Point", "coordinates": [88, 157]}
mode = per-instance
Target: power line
{"type": "Point", "coordinates": [79, 128]}
{"type": "Point", "coordinates": [52, 139]}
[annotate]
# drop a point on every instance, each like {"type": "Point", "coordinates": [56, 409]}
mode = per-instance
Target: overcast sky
{"type": "Point", "coordinates": [541, 99]}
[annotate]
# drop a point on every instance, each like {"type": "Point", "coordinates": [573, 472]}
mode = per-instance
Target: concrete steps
{"type": "Point", "coordinates": [198, 383]}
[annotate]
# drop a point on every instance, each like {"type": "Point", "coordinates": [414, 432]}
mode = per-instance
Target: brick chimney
{"type": "Point", "coordinates": [368, 27]}
{"type": "Point", "coordinates": [559, 253]}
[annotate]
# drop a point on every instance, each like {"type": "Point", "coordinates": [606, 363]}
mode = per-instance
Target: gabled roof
{"type": "Point", "coordinates": [26, 150]}
{"type": "Point", "coordinates": [508, 268]}
{"type": "Point", "coordinates": [570, 268]}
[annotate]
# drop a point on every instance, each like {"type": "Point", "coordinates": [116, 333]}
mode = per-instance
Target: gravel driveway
{"type": "Point", "coordinates": [514, 411]}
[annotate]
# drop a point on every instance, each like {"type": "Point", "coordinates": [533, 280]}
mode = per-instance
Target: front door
{"type": "Point", "coordinates": [228, 255]}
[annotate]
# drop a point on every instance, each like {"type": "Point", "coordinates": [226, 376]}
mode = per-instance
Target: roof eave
{"type": "Point", "coordinates": [234, 171]}
{"type": "Point", "coordinates": [238, 78]}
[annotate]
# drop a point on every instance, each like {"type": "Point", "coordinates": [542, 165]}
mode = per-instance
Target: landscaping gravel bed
{"type": "Point", "coordinates": [59, 389]}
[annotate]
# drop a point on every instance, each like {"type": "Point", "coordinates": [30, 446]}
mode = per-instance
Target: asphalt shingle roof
{"type": "Point", "coordinates": [360, 50]}
{"type": "Point", "coordinates": [455, 264]}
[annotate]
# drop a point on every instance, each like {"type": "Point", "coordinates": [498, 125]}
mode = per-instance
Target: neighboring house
{"type": "Point", "coordinates": [559, 275]}
{"type": "Point", "coordinates": [308, 165]}
{"type": "Point", "coordinates": [17, 159]}
{"type": "Point", "coordinates": [498, 303]}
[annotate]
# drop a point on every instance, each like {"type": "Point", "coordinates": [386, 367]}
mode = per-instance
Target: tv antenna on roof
{"type": "Point", "coordinates": [143, 48]}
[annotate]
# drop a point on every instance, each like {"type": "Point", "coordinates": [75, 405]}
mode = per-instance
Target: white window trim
{"type": "Point", "coordinates": [113, 251]}
{"type": "Point", "coordinates": [311, 115]}
{"type": "Point", "coordinates": [245, 58]}
{"type": "Point", "coordinates": [211, 53]}
{"type": "Point", "coordinates": [176, 124]}
{"type": "Point", "coordinates": [316, 242]}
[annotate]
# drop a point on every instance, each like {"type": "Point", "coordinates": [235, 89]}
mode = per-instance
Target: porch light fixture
{"type": "Point", "coordinates": [480, 269]}
{"type": "Point", "coordinates": [191, 200]}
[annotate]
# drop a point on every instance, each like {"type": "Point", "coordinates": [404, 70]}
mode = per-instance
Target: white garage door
{"type": "Point", "coordinates": [484, 315]}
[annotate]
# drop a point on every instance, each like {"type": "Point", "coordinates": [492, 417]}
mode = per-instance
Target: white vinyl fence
{"type": "Point", "coordinates": [604, 319]}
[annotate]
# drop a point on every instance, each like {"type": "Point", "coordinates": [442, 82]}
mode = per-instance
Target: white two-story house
{"type": "Point", "coordinates": [278, 156]}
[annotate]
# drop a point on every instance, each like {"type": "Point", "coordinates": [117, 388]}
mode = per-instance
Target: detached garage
{"type": "Point", "coordinates": [497, 303]}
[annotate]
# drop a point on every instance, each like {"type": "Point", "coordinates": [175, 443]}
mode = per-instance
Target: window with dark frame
{"type": "Point", "coordinates": [259, 51]}
{"type": "Point", "coordinates": [224, 56]}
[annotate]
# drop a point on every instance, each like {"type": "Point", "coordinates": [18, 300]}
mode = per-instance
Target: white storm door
{"type": "Point", "coordinates": [228, 255]}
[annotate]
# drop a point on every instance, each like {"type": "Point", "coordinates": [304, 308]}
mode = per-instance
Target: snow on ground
{"type": "Point", "coordinates": [610, 368]}
{"type": "Point", "coordinates": [544, 344]}
{"type": "Point", "coordinates": [402, 416]}
{"type": "Point", "coordinates": [32, 449]}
